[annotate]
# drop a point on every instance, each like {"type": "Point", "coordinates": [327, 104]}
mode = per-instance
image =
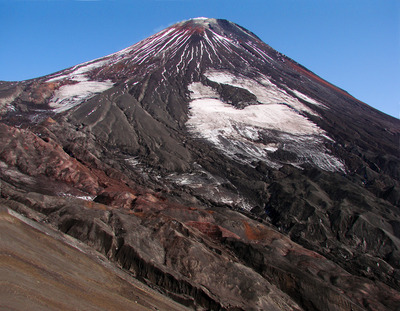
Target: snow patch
{"type": "Point", "coordinates": [82, 197]}
{"type": "Point", "coordinates": [68, 96]}
{"type": "Point", "coordinates": [265, 91]}
{"type": "Point", "coordinates": [78, 73]}
{"type": "Point", "coordinates": [199, 90]}
{"type": "Point", "coordinates": [256, 132]}
{"type": "Point", "coordinates": [133, 161]}
{"type": "Point", "coordinates": [212, 114]}
{"type": "Point", "coordinates": [307, 99]}
{"type": "Point", "coordinates": [82, 89]}
{"type": "Point", "coordinates": [213, 188]}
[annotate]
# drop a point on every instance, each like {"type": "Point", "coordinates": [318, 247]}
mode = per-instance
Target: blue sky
{"type": "Point", "coordinates": [354, 44]}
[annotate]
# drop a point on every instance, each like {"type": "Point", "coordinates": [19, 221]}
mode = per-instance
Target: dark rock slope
{"type": "Point", "coordinates": [213, 168]}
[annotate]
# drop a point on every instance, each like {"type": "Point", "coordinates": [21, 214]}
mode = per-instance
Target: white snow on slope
{"type": "Point", "coordinates": [254, 133]}
{"type": "Point", "coordinates": [307, 98]}
{"type": "Point", "coordinates": [206, 185]}
{"type": "Point", "coordinates": [81, 89]}
{"type": "Point", "coordinates": [217, 114]}
{"type": "Point", "coordinates": [6, 102]}
{"type": "Point", "coordinates": [78, 72]}
{"type": "Point", "coordinates": [265, 91]}
{"type": "Point", "coordinates": [199, 91]}
{"type": "Point", "coordinates": [68, 96]}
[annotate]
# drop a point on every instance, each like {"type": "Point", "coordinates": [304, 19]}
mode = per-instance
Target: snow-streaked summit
{"type": "Point", "coordinates": [261, 107]}
{"type": "Point", "coordinates": [221, 57]}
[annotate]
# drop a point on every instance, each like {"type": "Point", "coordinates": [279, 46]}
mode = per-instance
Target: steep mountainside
{"type": "Point", "coordinates": [214, 168]}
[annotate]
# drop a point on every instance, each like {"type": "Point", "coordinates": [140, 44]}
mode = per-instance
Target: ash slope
{"type": "Point", "coordinates": [39, 263]}
{"type": "Point", "coordinates": [205, 116]}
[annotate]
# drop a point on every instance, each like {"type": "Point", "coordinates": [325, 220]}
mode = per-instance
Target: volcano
{"type": "Point", "coordinates": [210, 167]}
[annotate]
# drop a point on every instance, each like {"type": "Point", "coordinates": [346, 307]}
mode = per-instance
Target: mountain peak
{"type": "Point", "coordinates": [222, 27]}
{"type": "Point", "coordinates": [205, 20]}
{"type": "Point", "coordinates": [200, 21]}
{"type": "Point", "coordinates": [170, 137]}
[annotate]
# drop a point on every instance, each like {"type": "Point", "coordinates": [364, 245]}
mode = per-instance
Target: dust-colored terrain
{"type": "Point", "coordinates": [40, 271]}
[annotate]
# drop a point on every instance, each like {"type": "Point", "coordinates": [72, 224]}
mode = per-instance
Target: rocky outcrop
{"type": "Point", "coordinates": [208, 257]}
{"type": "Point", "coordinates": [340, 220]}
